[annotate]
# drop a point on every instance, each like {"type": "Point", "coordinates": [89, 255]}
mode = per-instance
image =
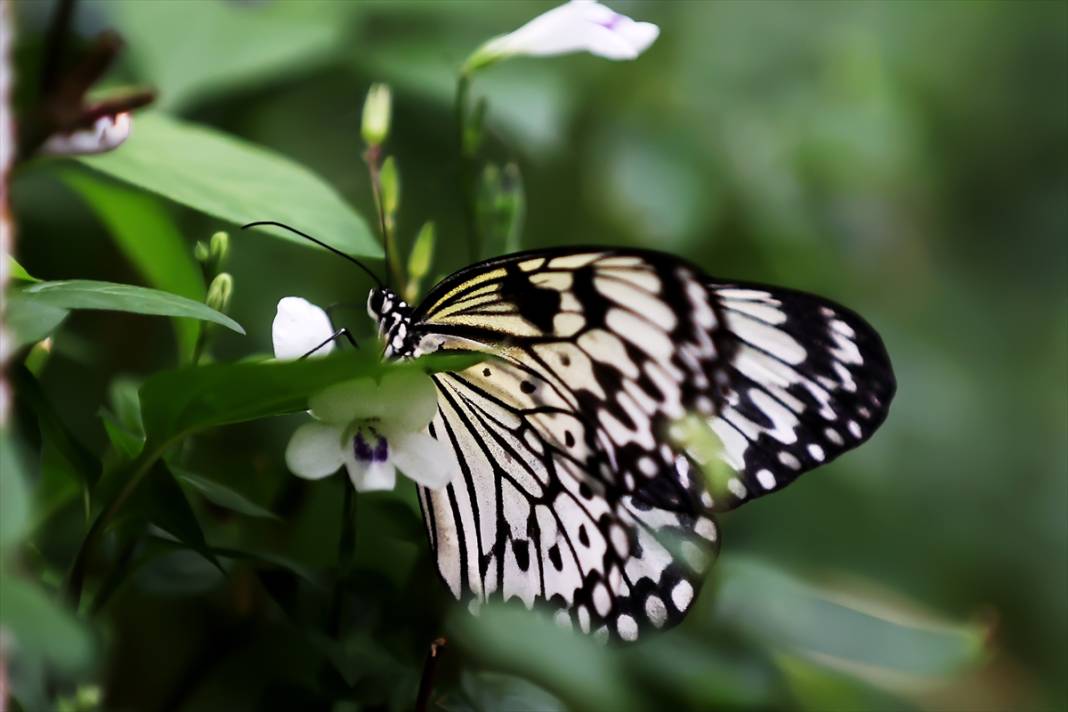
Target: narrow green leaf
{"type": "Point", "coordinates": [90, 294]}
{"type": "Point", "coordinates": [221, 495]}
{"type": "Point", "coordinates": [29, 320]}
{"type": "Point", "coordinates": [167, 506]}
{"type": "Point", "coordinates": [77, 455]}
{"type": "Point", "coordinates": [14, 495]}
{"type": "Point", "coordinates": [143, 230]}
{"type": "Point", "coordinates": [18, 272]}
{"type": "Point", "coordinates": [231, 179]}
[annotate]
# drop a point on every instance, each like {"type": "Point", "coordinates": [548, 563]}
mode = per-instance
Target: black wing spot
{"type": "Point", "coordinates": [585, 490]}
{"type": "Point", "coordinates": [486, 372]}
{"type": "Point", "coordinates": [522, 553]}
{"type": "Point", "coordinates": [554, 557]}
{"type": "Point", "coordinates": [569, 439]}
{"type": "Point", "coordinates": [527, 387]}
{"type": "Point", "coordinates": [565, 360]}
{"type": "Point", "coordinates": [583, 537]}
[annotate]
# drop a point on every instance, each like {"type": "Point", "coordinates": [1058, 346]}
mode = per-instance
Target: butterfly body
{"type": "Point", "coordinates": [572, 491]}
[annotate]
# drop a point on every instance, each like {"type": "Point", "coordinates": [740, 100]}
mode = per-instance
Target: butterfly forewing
{"type": "Point", "coordinates": [573, 492]}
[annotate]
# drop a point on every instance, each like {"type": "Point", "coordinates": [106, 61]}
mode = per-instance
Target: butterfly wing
{"type": "Point", "coordinates": [595, 353]}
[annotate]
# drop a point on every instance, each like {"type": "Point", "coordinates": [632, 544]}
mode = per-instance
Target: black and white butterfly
{"type": "Point", "coordinates": [571, 488]}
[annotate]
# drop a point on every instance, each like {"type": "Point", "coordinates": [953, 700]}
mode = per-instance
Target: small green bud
{"type": "Point", "coordinates": [472, 137]}
{"type": "Point", "coordinates": [220, 249]}
{"type": "Point", "coordinates": [219, 292]}
{"type": "Point", "coordinates": [389, 181]}
{"type": "Point", "coordinates": [693, 434]}
{"type": "Point", "coordinates": [419, 260]}
{"type": "Point", "coordinates": [201, 252]}
{"type": "Point", "coordinates": [376, 115]}
{"type": "Point", "coordinates": [88, 697]}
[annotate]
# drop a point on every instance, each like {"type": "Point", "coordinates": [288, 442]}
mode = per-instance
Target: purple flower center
{"type": "Point", "coordinates": [612, 22]}
{"type": "Point", "coordinates": [370, 447]}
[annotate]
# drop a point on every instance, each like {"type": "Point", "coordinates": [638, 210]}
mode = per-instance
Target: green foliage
{"type": "Point", "coordinates": [233, 180]}
{"type": "Point", "coordinates": [92, 294]}
{"type": "Point", "coordinates": [155, 553]}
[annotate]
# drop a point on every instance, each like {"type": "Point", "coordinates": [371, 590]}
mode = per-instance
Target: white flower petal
{"type": "Point", "coordinates": [423, 459]}
{"type": "Point", "coordinates": [106, 133]}
{"type": "Point", "coordinates": [409, 400]}
{"type": "Point", "coordinates": [358, 399]}
{"type": "Point", "coordinates": [371, 476]}
{"type": "Point", "coordinates": [577, 26]}
{"type": "Point", "coordinates": [315, 451]}
{"type": "Point", "coordinates": [300, 326]}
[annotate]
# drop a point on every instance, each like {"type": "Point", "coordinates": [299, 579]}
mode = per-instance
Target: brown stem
{"type": "Point", "coordinates": [426, 683]}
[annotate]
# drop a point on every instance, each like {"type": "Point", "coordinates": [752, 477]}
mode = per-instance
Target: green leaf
{"type": "Point", "coordinates": [90, 294]}
{"type": "Point", "coordinates": [866, 634]}
{"type": "Point", "coordinates": [17, 271]}
{"type": "Point", "coordinates": [29, 320]}
{"type": "Point", "coordinates": [579, 670]}
{"type": "Point", "coordinates": [41, 628]}
{"type": "Point", "coordinates": [53, 429]}
{"type": "Point", "coordinates": [233, 180]}
{"type": "Point", "coordinates": [167, 507]}
{"type": "Point", "coordinates": [222, 495]}
{"type": "Point", "coordinates": [145, 233]}
{"type": "Point", "coordinates": [14, 495]}
{"type": "Point", "coordinates": [176, 403]}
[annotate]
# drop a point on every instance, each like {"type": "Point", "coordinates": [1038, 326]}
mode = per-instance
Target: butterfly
{"type": "Point", "coordinates": [572, 494]}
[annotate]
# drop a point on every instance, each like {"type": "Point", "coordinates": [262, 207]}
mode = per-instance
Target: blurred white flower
{"type": "Point", "coordinates": [106, 133]}
{"type": "Point", "coordinates": [371, 428]}
{"type": "Point", "coordinates": [577, 26]}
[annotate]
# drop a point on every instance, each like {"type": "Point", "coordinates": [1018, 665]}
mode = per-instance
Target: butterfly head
{"type": "Point", "coordinates": [394, 318]}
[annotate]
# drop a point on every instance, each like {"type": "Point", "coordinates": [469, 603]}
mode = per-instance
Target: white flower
{"type": "Point", "coordinates": [371, 428]}
{"type": "Point", "coordinates": [577, 26]}
{"type": "Point", "coordinates": [106, 133]}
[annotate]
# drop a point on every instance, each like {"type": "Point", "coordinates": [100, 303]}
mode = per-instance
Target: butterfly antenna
{"type": "Point", "coordinates": [318, 242]}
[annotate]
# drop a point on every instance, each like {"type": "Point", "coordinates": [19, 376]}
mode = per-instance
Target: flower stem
{"type": "Point", "coordinates": [426, 682]}
{"type": "Point", "coordinates": [373, 157]}
{"type": "Point", "coordinates": [346, 550]}
{"type": "Point", "coordinates": [467, 168]}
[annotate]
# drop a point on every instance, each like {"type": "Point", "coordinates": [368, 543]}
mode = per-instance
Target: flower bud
{"type": "Point", "coordinates": [201, 252]}
{"type": "Point", "coordinates": [219, 292]}
{"type": "Point", "coordinates": [376, 115]}
{"type": "Point", "coordinates": [389, 180]}
{"type": "Point", "coordinates": [219, 250]}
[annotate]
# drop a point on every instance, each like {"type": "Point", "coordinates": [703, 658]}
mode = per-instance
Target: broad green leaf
{"type": "Point", "coordinates": [233, 180]}
{"type": "Point", "coordinates": [29, 320]}
{"type": "Point", "coordinates": [90, 294]}
{"type": "Point", "coordinates": [18, 272]}
{"type": "Point", "coordinates": [40, 628]}
{"type": "Point", "coordinates": [166, 505]}
{"type": "Point", "coordinates": [176, 403]}
{"type": "Point", "coordinates": [224, 45]}
{"type": "Point", "coordinates": [221, 495]}
{"type": "Point", "coordinates": [146, 234]}
{"type": "Point", "coordinates": [856, 631]}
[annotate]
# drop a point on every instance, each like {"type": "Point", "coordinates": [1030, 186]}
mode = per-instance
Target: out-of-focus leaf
{"type": "Point", "coordinates": [17, 271]}
{"type": "Point", "coordinates": [14, 495]}
{"type": "Point", "coordinates": [223, 44]}
{"type": "Point", "coordinates": [486, 691]}
{"type": "Point", "coordinates": [816, 688]}
{"type": "Point", "coordinates": [865, 635]}
{"type": "Point", "coordinates": [222, 495]}
{"type": "Point", "coordinates": [574, 667]}
{"type": "Point", "coordinates": [81, 460]}
{"type": "Point", "coordinates": [109, 296]}
{"type": "Point", "coordinates": [41, 628]}
{"type": "Point", "coordinates": [234, 180]}
{"type": "Point", "coordinates": [29, 320]}
{"type": "Point", "coordinates": [140, 226]}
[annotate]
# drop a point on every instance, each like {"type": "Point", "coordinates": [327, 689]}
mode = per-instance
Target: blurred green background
{"type": "Point", "coordinates": [906, 159]}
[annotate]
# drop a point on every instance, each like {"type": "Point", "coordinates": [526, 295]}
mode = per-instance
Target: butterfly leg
{"type": "Point", "coordinates": [334, 337]}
